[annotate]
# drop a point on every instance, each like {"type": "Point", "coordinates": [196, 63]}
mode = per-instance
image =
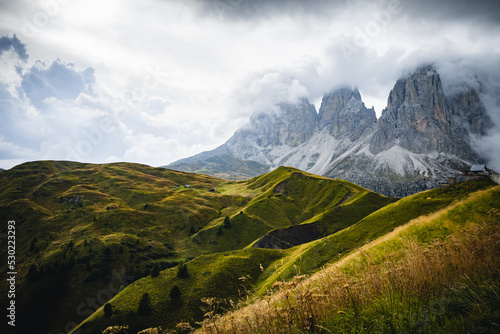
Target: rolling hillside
{"type": "Point", "coordinates": [437, 273]}
{"type": "Point", "coordinates": [258, 270]}
{"type": "Point", "coordinates": [407, 226]}
{"type": "Point", "coordinates": [86, 232]}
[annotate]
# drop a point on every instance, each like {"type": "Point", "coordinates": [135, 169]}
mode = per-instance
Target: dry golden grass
{"type": "Point", "coordinates": [419, 272]}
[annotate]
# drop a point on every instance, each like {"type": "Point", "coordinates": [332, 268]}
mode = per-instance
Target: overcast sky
{"type": "Point", "coordinates": [154, 81]}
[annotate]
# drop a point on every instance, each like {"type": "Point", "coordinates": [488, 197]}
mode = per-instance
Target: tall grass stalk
{"type": "Point", "coordinates": [445, 284]}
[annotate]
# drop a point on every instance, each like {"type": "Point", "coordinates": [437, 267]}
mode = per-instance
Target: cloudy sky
{"type": "Point", "coordinates": [154, 81]}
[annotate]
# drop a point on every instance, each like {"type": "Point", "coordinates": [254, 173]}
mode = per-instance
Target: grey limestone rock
{"type": "Point", "coordinates": [418, 118]}
{"type": "Point", "coordinates": [343, 113]}
{"type": "Point", "coordinates": [289, 124]}
{"type": "Point", "coordinates": [421, 138]}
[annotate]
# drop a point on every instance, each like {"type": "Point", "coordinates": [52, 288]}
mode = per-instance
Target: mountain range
{"type": "Point", "coordinates": [422, 137]}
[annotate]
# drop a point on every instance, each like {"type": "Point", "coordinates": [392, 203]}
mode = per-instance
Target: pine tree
{"type": "Point", "coordinates": [32, 272]}
{"type": "Point", "coordinates": [182, 270]}
{"type": "Point", "coordinates": [71, 261]}
{"type": "Point", "coordinates": [33, 244]}
{"type": "Point", "coordinates": [156, 270]}
{"type": "Point", "coordinates": [144, 304]}
{"type": "Point", "coordinates": [175, 292]}
{"type": "Point", "coordinates": [227, 222]}
{"type": "Point", "coordinates": [108, 310]}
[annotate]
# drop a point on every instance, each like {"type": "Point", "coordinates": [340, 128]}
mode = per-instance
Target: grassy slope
{"type": "Point", "coordinates": [216, 275]}
{"type": "Point", "coordinates": [112, 217]}
{"type": "Point", "coordinates": [438, 272]}
{"type": "Point", "coordinates": [309, 257]}
{"type": "Point", "coordinates": [301, 197]}
{"type": "Point", "coordinates": [134, 215]}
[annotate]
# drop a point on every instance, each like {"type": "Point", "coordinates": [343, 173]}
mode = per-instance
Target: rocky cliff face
{"type": "Point", "coordinates": [418, 119]}
{"type": "Point", "coordinates": [288, 125]}
{"type": "Point", "coordinates": [468, 113]}
{"type": "Point", "coordinates": [421, 137]}
{"type": "Point", "coordinates": [343, 114]}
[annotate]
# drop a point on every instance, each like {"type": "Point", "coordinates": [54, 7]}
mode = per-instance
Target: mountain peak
{"type": "Point", "coordinates": [417, 118]}
{"type": "Point", "coordinates": [343, 113]}
{"type": "Point", "coordinates": [422, 135]}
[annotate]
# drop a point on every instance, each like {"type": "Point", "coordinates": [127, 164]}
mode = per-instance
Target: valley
{"type": "Point", "coordinates": [110, 234]}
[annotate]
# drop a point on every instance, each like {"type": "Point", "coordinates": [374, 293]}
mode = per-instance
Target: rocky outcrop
{"type": "Point", "coordinates": [418, 119]}
{"type": "Point", "coordinates": [288, 124]}
{"type": "Point", "coordinates": [74, 201]}
{"type": "Point", "coordinates": [468, 112]}
{"type": "Point", "coordinates": [289, 237]}
{"type": "Point", "coordinates": [343, 114]}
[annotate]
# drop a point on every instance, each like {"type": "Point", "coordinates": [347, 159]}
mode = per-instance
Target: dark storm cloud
{"type": "Point", "coordinates": [257, 9]}
{"type": "Point", "coordinates": [13, 42]}
{"type": "Point", "coordinates": [485, 10]}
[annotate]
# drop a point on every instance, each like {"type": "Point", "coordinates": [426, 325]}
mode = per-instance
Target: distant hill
{"type": "Point", "coordinates": [86, 231]}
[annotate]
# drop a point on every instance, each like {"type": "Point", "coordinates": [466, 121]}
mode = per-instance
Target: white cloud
{"type": "Point", "coordinates": [187, 74]}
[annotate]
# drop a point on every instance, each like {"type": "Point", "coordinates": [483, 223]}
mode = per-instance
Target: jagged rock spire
{"type": "Point", "coordinates": [417, 118]}
{"type": "Point", "coordinates": [343, 113]}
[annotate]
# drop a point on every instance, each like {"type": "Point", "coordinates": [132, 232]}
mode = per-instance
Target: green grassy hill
{"type": "Point", "coordinates": [86, 232]}
{"type": "Point", "coordinates": [437, 272]}
{"type": "Point", "coordinates": [224, 276]}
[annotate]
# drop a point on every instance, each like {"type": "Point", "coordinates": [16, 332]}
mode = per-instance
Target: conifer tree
{"type": "Point", "coordinates": [175, 292]}
{"type": "Point", "coordinates": [144, 304]}
{"type": "Point", "coordinates": [155, 271]}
